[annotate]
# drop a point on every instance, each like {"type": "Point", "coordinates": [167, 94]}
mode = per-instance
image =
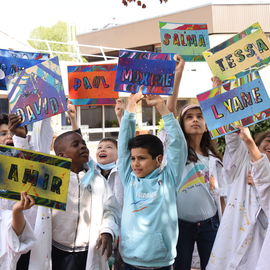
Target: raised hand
{"type": "Point", "coordinates": [72, 116]}
{"type": "Point", "coordinates": [216, 81]}
{"type": "Point", "coordinates": [13, 121]}
{"type": "Point", "coordinates": [119, 109]}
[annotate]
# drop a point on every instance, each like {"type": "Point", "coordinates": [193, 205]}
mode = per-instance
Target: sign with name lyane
{"type": "Point", "coordinates": [243, 53]}
{"type": "Point", "coordinates": [153, 71]}
{"type": "Point", "coordinates": [188, 40]}
{"type": "Point", "coordinates": [242, 102]}
{"type": "Point", "coordinates": [45, 177]}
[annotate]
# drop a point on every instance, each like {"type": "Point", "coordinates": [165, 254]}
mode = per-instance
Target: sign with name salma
{"type": "Point", "coordinates": [45, 177]}
{"type": "Point", "coordinates": [154, 71]}
{"type": "Point", "coordinates": [245, 52]}
{"type": "Point", "coordinates": [37, 92]}
{"type": "Point", "coordinates": [12, 62]}
{"type": "Point", "coordinates": [92, 84]}
{"type": "Point", "coordinates": [242, 102]}
{"type": "Point", "coordinates": [188, 40]}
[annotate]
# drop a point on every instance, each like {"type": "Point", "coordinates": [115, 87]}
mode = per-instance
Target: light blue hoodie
{"type": "Point", "coordinates": [149, 229]}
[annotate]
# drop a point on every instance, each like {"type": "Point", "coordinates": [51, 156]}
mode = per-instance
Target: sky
{"type": "Point", "coordinates": [21, 17]}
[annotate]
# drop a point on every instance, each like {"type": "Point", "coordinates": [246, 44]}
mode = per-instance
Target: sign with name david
{"type": "Point", "coordinates": [45, 177]}
{"type": "Point", "coordinates": [241, 102]}
{"type": "Point", "coordinates": [153, 71]}
{"type": "Point", "coordinates": [37, 92]}
{"type": "Point", "coordinates": [92, 84]}
{"type": "Point", "coordinates": [245, 52]}
{"type": "Point", "coordinates": [12, 62]}
{"type": "Point", "coordinates": [188, 40]}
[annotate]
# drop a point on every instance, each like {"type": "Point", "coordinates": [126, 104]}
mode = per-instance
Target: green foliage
{"type": "Point", "coordinates": [57, 32]}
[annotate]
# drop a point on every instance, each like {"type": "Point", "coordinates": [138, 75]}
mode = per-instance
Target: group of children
{"type": "Point", "coordinates": [147, 197]}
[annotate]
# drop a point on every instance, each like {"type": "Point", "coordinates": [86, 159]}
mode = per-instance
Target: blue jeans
{"type": "Point", "coordinates": [130, 267]}
{"type": "Point", "coordinates": [203, 233]}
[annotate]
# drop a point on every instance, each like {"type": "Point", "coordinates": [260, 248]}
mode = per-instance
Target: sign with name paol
{"type": "Point", "coordinates": [37, 92]}
{"type": "Point", "coordinates": [242, 102]}
{"type": "Point", "coordinates": [153, 71]}
{"type": "Point", "coordinates": [45, 177]}
{"type": "Point", "coordinates": [92, 84]}
{"type": "Point", "coordinates": [245, 52]}
{"type": "Point", "coordinates": [12, 62]}
{"type": "Point", "coordinates": [188, 40]}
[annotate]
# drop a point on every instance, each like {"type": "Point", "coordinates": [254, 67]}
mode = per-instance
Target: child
{"type": "Point", "coordinates": [149, 218]}
{"type": "Point", "coordinates": [84, 232]}
{"type": "Point", "coordinates": [17, 236]}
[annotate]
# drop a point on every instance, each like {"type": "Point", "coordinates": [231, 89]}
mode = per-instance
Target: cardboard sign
{"type": "Point", "coordinates": [37, 92]}
{"type": "Point", "coordinates": [12, 62]}
{"type": "Point", "coordinates": [242, 102]}
{"type": "Point", "coordinates": [45, 177]}
{"type": "Point", "coordinates": [188, 40]}
{"type": "Point", "coordinates": [92, 85]}
{"type": "Point", "coordinates": [154, 71]}
{"type": "Point", "coordinates": [244, 53]}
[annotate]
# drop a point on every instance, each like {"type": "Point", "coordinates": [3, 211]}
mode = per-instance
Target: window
{"type": "Point", "coordinates": [91, 116]}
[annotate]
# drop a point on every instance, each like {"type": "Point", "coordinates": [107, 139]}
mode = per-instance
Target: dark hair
{"type": "Point", "coordinates": [261, 136]}
{"type": "Point", "coordinates": [57, 146]}
{"type": "Point", "coordinates": [109, 139]}
{"type": "Point", "coordinates": [150, 142]}
{"type": "Point", "coordinates": [3, 119]}
{"type": "Point", "coordinates": [207, 145]}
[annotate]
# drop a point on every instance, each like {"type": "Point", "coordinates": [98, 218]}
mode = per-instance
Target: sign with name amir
{"type": "Point", "coordinates": [92, 84]}
{"type": "Point", "coordinates": [37, 92]}
{"type": "Point", "coordinates": [243, 53]}
{"type": "Point", "coordinates": [12, 62]}
{"type": "Point", "coordinates": [153, 71]}
{"type": "Point", "coordinates": [45, 177]}
{"type": "Point", "coordinates": [242, 102]}
{"type": "Point", "coordinates": [188, 40]}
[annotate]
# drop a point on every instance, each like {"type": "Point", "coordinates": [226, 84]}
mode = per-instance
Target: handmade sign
{"type": "Point", "coordinates": [242, 102]}
{"type": "Point", "coordinates": [243, 53]}
{"type": "Point", "coordinates": [45, 177]}
{"type": "Point", "coordinates": [14, 61]}
{"type": "Point", "coordinates": [188, 40]}
{"type": "Point", "coordinates": [153, 71]}
{"type": "Point", "coordinates": [92, 85]}
{"type": "Point", "coordinates": [37, 92]}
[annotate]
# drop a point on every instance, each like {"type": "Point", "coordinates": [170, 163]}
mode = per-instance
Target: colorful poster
{"type": "Point", "coordinates": [154, 71]}
{"type": "Point", "coordinates": [245, 52]}
{"type": "Point", "coordinates": [92, 84]}
{"type": "Point", "coordinates": [242, 102]}
{"type": "Point", "coordinates": [12, 62]}
{"type": "Point", "coordinates": [37, 92]}
{"type": "Point", "coordinates": [188, 40]}
{"type": "Point", "coordinates": [45, 177]}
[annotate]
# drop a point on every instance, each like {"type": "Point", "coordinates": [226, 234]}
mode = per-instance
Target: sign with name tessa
{"type": "Point", "coordinates": [92, 84]}
{"type": "Point", "coordinates": [45, 177]}
{"type": "Point", "coordinates": [243, 53]}
{"type": "Point", "coordinates": [242, 102]}
{"type": "Point", "coordinates": [37, 92]}
{"type": "Point", "coordinates": [188, 40]}
{"type": "Point", "coordinates": [153, 71]}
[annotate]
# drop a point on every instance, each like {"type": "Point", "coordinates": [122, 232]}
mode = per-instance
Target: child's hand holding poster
{"type": "Point", "coordinates": [154, 71]}
{"type": "Point", "coordinates": [188, 40]}
{"type": "Point", "coordinates": [37, 92]}
{"type": "Point", "coordinates": [242, 102]}
{"type": "Point", "coordinates": [245, 52]}
{"type": "Point", "coordinates": [45, 177]}
{"type": "Point", "coordinates": [92, 84]}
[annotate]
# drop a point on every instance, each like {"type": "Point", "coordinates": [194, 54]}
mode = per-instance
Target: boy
{"type": "Point", "coordinates": [84, 232]}
{"type": "Point", "coordinates": [17, 236]}
{"type": "Point", "coordinates": [149, 219]}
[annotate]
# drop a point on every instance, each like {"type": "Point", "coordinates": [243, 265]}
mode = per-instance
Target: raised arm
{"type": "Point", "coordinates": [72, 116]}
{"type": "Point", "coordinates": [119, 109]}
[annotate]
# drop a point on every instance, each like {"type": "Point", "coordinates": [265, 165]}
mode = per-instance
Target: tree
{"type": "Point", "coordinates": [139, 2]}
{"type": "Point", "coordinates": [60, 32]}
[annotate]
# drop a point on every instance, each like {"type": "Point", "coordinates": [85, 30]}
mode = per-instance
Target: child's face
{"type": "Point", "coordinates": [194, 123]}
{"type": "Point", "coordinates": [264, 147]}
{"type": "Point", "coordinates": [142, 162]}
{"type": "Point", "coordinates": [5, 135]}
{"type": "Point", "coordinates": [76, 149]}
{"type": "Point", "coordinates": [106, 152]}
